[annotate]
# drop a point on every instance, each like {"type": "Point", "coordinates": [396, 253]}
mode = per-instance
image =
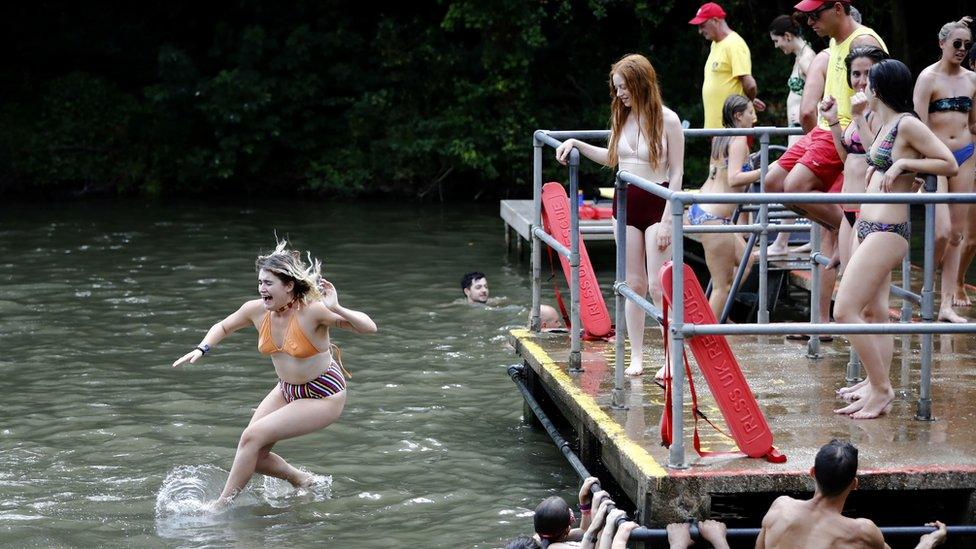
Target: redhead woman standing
{"type": "Point", "coordinates": [646, 140]}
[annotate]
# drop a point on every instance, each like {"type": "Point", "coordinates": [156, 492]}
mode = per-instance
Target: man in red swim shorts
{"type": "Point", "coordinates": [812, 164]}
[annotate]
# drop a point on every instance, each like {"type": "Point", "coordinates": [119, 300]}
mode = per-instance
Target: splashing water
{"type": "Point", "coordinates": [191, 490]}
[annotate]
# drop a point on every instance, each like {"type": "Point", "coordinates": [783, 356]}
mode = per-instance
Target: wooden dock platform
{"type": "Point", "coordinates": [910, 471]}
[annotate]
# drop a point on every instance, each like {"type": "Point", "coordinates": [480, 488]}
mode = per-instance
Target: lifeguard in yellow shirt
{"type": "Point", "coordinates": [728, 70]}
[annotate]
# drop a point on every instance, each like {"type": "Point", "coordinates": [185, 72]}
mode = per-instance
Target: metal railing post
{"type": "Point", "coordinates": [676, 456]}
{"type": "Point", "coordinates": [620, 316]}
{"type": "Point", "coordinates": [906, 312]}
{"type": "Point", "coordinates": [853, 368]}
{"type": "Point", "coordinates": [762, 314]}
{"type": "Point", "coordinates": [535, 322]}
{"type": "Point", "coordinates": [924, 411]}
{"type": "Point", "coordinates": [575, 359]}
{"type": "Point", "coordinates": [813, 345]}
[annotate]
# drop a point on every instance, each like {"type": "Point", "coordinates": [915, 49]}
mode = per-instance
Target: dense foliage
{"type": "Point", "coordinates": [334, 98]}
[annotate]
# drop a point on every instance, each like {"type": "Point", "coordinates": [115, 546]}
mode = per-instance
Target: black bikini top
{"type": "Point", "coordinates": [960, 104]}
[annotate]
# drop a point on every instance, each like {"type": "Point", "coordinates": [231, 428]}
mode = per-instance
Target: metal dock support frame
{"type": "Point", "coordinates": [535, 322]}
{"type": "Point", "coordinates": [924, 411]}
{"type": "Point", "coordinates": [620, 302]}
{"type": "Point", "coordinates": [575, 356]}
{"type": "Point", "coordinates": [676, 456]}
{"type": "Point", "coordinates": [762, 313]}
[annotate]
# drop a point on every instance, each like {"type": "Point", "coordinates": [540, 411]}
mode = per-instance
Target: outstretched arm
{"type": "Point", "coordinates": [237, 320]}
{"type": "Point", "coordinates": [341, 317]}
{"type": "Point", "coordinates": [594, 153]}
{"type": "Point", "coordinates": [935, 538]}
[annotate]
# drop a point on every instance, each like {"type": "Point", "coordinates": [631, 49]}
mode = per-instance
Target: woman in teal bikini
{"type": "Point", "coordinates": [785, 34]}
{"type": "Point", "coordinates": [296, 307]}
{"type": "Point", "coordinates": [943, 99]}
{"type": "Point", "coordinates": [903, 148]}
{"type": "Point", "coordinates": [729, 172]}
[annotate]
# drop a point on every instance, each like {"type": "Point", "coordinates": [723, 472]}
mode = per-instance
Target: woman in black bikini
{"type": "Point", "coordinates": [943, 99]}
{"type": "Point", "coordinates": [904, 147]}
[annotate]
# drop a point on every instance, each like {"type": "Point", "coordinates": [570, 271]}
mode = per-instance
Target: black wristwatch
{"type": "Point", "coordinates": [203, 348]}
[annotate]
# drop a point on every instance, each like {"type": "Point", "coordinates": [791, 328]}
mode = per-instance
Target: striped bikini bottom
{"type": "Point", "coordinates": [329, 383]}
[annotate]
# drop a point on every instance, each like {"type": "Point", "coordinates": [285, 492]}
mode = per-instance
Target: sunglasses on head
{"type": "Point", "coordinates": [959, 44]}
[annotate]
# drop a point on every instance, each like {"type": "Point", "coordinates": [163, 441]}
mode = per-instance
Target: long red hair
{"type": "Point", "coordinates": [645, 98]}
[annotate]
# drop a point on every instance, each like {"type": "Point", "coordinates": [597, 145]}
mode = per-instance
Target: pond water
{"type": "Point", "coordinates": [102, 443]}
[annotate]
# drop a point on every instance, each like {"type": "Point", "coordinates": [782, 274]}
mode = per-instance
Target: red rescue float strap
{"type": "Point", "coordinates": [721, 370]}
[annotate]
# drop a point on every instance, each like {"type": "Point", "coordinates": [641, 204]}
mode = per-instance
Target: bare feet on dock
{"type": "Point", "coordinates": [663, 372]}
{"type": "Point", "coordinates": [853, 392]}
{"type": "Point", "coordinates": [636, 368]}
{"type": "Point", "coordinates": [946, 314]}
{"type": "Point", "coordinates": [801, 249]}
{"type": "Point", "coordinates": [961, 299]}
{"type": "Point", "coordinates": [776, 249]}
{"type": "Point", "coordinates": [873, 404]}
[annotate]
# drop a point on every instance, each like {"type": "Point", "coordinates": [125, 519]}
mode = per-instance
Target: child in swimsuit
{"type": "Point", "coordinates": [296, 307]}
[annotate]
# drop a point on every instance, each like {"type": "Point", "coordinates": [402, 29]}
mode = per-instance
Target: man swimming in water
{"type": "Point", "coordinates": [475, 287]}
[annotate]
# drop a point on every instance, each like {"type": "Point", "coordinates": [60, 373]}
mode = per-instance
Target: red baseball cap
{"type": "Point", "coordinates": [706, 12]}
{"type": "Point", "coordinates": [814, 5]}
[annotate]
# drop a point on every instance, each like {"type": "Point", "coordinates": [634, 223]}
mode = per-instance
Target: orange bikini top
{"type": "Point", "coordinates": [295, 342]}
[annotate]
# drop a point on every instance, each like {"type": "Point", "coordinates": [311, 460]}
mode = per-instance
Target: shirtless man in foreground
{"type": "Point", "coordinates": [817, 522]}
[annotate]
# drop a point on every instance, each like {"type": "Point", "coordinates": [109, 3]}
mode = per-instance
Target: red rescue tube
{"type": "Point", "coordinates": [555, 219]}
{"type": "Point", "coordinates": [721, 370]}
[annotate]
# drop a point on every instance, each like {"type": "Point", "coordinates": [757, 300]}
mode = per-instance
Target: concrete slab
{"type": "Point", "coordinates": [900, 457]}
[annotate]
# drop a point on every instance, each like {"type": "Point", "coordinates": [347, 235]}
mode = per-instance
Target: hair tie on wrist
{"type": "Point", "coordinates": [203, 348]}
{"type": "Point", "coordinates": [584, 507]}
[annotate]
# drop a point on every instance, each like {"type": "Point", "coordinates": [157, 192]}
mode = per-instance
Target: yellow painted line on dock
{"type": "Point", "coordinates": [644, 461]}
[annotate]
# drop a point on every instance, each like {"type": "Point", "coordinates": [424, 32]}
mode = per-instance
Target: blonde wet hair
{"type": "Point", "coordinates": [287, 265]}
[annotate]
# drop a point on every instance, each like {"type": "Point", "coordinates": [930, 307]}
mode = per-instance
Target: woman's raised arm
{"type": "Point", "coordinates": [235, 321]}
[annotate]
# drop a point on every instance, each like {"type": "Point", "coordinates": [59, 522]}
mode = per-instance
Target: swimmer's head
{"type": "Point", "coordinates": [835, 467]}
{"type": "Point", "coordinates": [474, 285]}
{"type": "Point", "coordinates": [553, 519]}
{"type": "Point", "coordinates": [298, 280]}
{"type": "Point", "coordinates": [549, 318]}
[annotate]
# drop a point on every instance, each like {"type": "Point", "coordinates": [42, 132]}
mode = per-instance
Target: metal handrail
{"type": "Point", "coordinates": [679, 329]}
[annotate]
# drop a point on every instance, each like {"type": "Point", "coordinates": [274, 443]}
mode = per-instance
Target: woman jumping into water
{"type": "Point", "coordinates": [293, 316]}
{"type": "Point", "coordinates": [944, 95]}
{"type": "Point", "coordinates": [904, 147]}
{"type": "Point", "coordinates": [646, 140]}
